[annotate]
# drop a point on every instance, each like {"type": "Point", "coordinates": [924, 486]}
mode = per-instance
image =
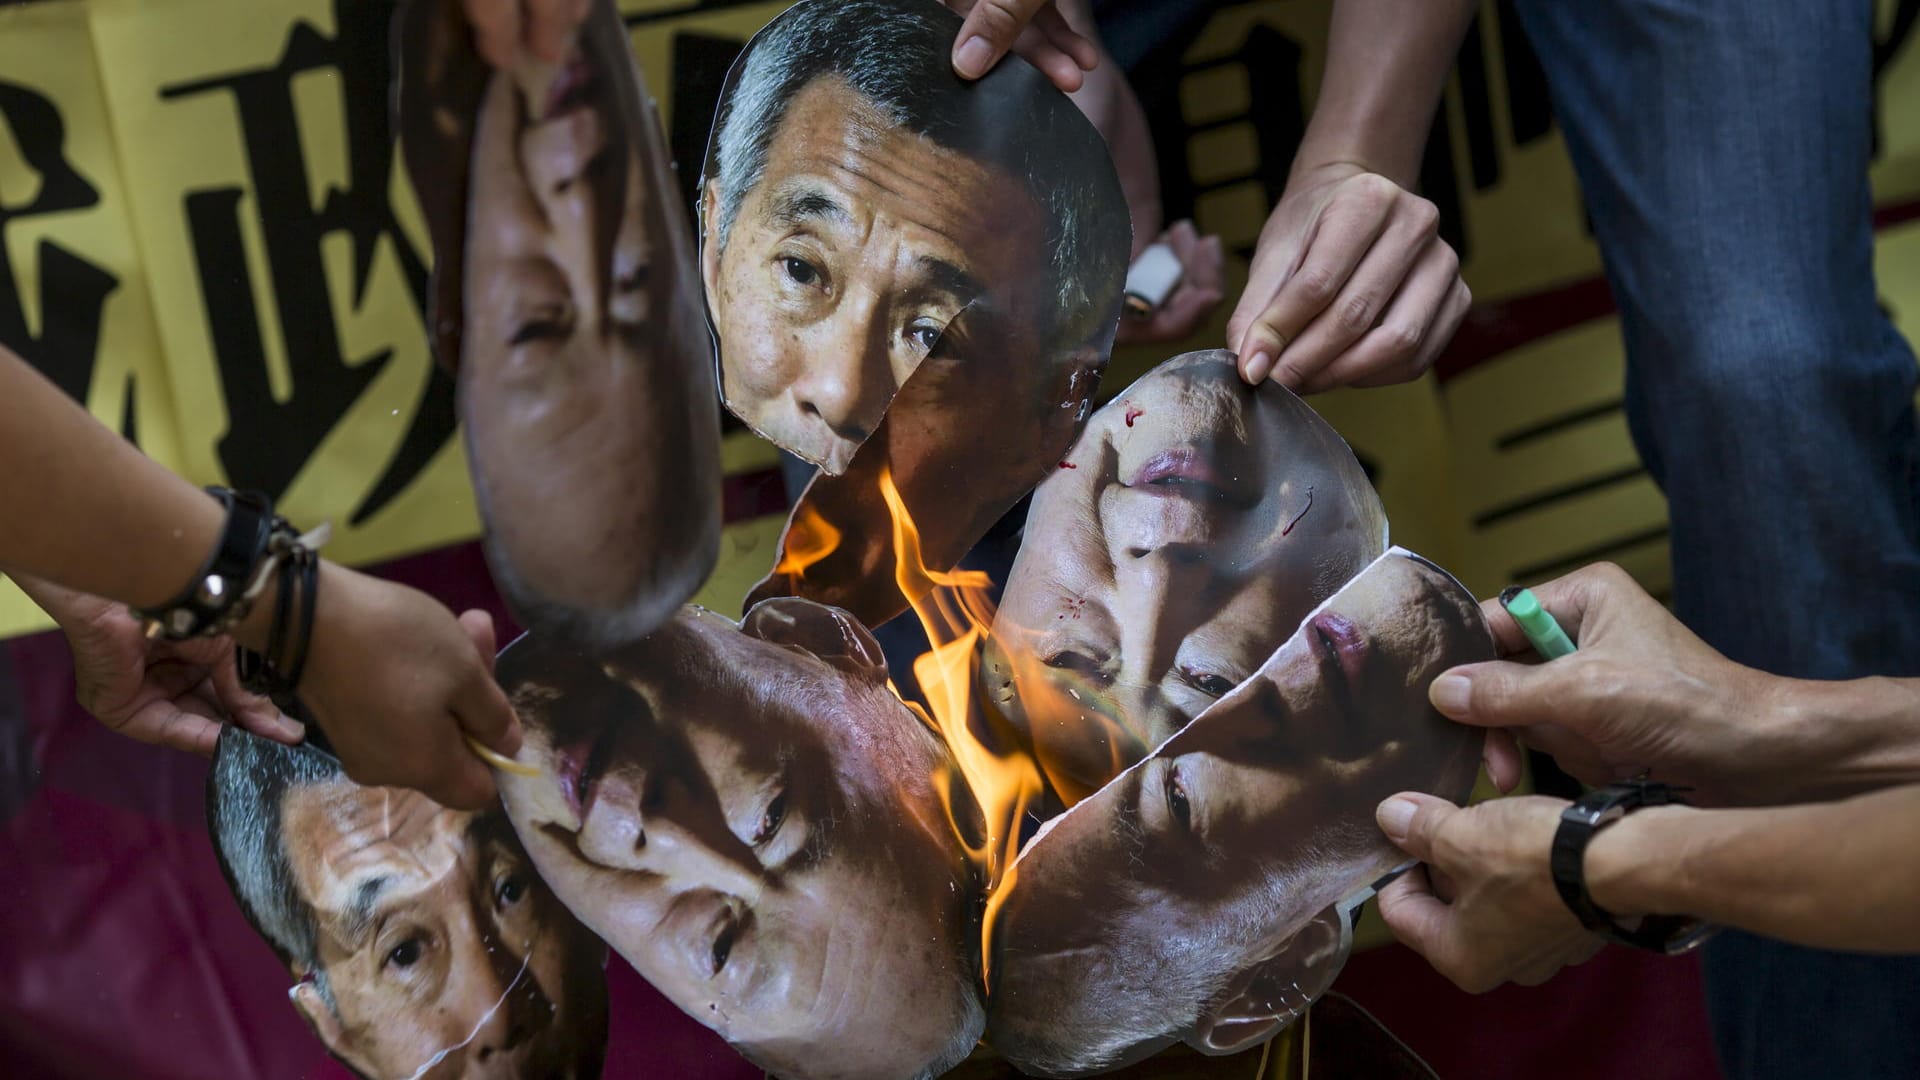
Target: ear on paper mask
{"type": "Point", "coordinates": [1276, 991]}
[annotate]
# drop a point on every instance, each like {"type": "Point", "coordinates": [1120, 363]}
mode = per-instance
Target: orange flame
{"type": "Point", "coordinates": [810, 538]}
{"type": "Point", "coordinates": [1070, 720]}
{"type": "Point", "coordinates": [956, 613]}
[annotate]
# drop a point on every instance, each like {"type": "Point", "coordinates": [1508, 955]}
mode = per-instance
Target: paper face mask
{"type": "Point", "coordinates": [1180, 541]}
{"type": "Point", "coordinates": [953, 481]}
{"type": "Point", "coordinates": [750, 818]}
{"type": "Point", "coordinates": [1202, 895]}
{"type": "Point", "coordinates": [565, 299]}
{"type": "Point", "coordinates": [857, 198]}
{"type": "Point", "coordinates": [422, 942]}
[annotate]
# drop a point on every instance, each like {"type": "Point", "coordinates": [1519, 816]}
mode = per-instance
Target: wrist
{"type": "Point", "coordinates": [1358, 139]}
{"type": "Point", "coordinates": [1627, 861]}
{"type": "Point", "coordinates": [1317, 162]}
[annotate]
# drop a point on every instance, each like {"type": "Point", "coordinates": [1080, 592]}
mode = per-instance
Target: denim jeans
{"type": "Point", "coordinates": [1722, 146]}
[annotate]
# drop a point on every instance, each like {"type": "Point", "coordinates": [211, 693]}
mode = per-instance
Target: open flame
{"type": "Point", "coordinates": [810, 538]}
{"type": "Point", "coordinates": [956, 611]}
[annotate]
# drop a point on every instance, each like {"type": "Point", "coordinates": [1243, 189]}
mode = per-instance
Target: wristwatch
{"type": "Point", "coordinates": [1597, 809]}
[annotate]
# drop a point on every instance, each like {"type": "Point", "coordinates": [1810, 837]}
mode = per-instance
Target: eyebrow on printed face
{"type": "Point", "coordinates": [799, 204]}
{"type": "Point", "coordinates": [363, 909]}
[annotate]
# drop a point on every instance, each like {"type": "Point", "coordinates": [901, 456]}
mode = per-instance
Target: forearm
{"type": "Point", "coordinates": [1840, 875]}
{"type": "Point", "coordinates": [81, 507]}
{"type": "Point", "coordinates": [1835, 739]}
{"type": "Point", "coordinates": [1387, 63]}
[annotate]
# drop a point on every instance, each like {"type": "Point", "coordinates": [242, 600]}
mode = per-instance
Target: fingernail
{"type": "Point", "coordinates": [1258, 366]}
{"type": "Point", "coordinates": [1394, 816]}
{"type": "Point", "coordinates": [1451, 694]}
{"type": "Point", "coordinates": [970, 59]}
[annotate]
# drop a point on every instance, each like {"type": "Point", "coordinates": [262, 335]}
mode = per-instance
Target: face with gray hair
{"type": "Point", "coordinates": [858, 197]}
{"type": "Point", "coordinates": [423, 943]}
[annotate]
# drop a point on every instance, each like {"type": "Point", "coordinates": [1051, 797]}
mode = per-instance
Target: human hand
{"type": "Point", "coordinates": [1350, 285]}
{"type": "Point", "coordinates": [503, 29]}
{"type": "Point", "coordinates": [397, 683]}
{"type": "Point", "coordinates": [174, 693]}
{"type": "Point", "coordinates": [1641, 693]}
{"type": "Point", "coordinates": [1202, 285]}
{"type": "Point", "coordinates": [1033, 28]}
{"type": "Point", "coordinates": [1484, 910]}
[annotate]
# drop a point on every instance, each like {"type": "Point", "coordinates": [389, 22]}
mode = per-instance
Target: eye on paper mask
{"type": "Point", "coordinates": [1204, 894]}
{"type": "Point", "coordinates": [419, 939]}
{"type": "Point", "coordinates": [750, 817]}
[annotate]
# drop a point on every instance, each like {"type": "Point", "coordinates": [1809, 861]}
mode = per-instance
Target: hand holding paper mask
{"type": "Point", "coordinates": [421, 942]}
{"type": "Point", "coordinates": [565, 301]}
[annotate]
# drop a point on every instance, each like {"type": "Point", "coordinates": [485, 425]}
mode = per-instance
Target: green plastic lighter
{"type": "Point", "coordinates": [1543, 633]}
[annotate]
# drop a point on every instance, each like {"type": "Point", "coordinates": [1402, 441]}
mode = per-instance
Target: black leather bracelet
{"type": "Point", "coordinates": [215, 598]}
{"type": "Point", "coordinates": [308, 564]}
{"type": "Point", "coordinates": [1592, 812]}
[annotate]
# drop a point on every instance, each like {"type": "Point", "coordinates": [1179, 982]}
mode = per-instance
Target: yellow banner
{"type": "Point", "coordinates": [200, 206]}
{"type": "Point", "coordinates": [73, 288]}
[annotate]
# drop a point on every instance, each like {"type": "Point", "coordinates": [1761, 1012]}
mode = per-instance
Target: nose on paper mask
{"type": "Point", "coordinates": [566, 302]}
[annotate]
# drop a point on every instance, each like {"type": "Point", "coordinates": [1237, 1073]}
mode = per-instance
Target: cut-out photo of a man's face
{"type": "Point", "coordinates": [1192, 526]}
{"type": "Point", "coordinates": [566, 300]}
{"type": "Point", "coordinates": [1197, 896]}
{"type": "Point", "coordinates": [858, 196]}
{"type": "Point", "coordinates": [750, 818]}
{"type": "Point", "coordinates": [422, 943]}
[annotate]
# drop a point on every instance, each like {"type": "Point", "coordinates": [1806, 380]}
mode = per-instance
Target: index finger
{"type": "Point", "coordinates": [485, 713]}
{"type": "Point", "coordinates": [1569, 599]}
{"type": "Point", "coordinates": [1419, 919]}
{"type": "Point", "coordinates": [465, 784]}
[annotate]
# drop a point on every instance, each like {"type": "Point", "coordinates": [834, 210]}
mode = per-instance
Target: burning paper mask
{"type": "Point", "coordinates": [961, 451]}
{"type": "Point", "coordinates": [1189, 530]}
{"type": "Point", "coordinates": [753, 820]}
{"type": "Point", "coordinates": [565, 299]}
{"type": "Point", "coordinates": [423, 943]}
{"type": "Point", "coordinates": [857, 198]}
{"type": "Point", "coordinates": [1204, 894]}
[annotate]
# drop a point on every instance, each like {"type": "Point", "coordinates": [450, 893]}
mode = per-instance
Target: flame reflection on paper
{"type": "Point", "coordinates": [810, 538]}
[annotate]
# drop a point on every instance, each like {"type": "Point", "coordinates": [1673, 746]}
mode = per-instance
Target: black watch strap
{"type": "Point", "coordinates": [1579, 823]}
{"type": "Point", "coordinates": [216, 589]}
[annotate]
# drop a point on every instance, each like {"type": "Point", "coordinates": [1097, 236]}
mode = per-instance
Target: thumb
{"type": "Point", "coordinates": [1498, 693]}
{"type": "Point", "coordinates": [1410, 820]}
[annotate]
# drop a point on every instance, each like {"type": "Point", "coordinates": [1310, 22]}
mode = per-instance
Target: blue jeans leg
{"type": "Point", "coordinates": [1723, 147]}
